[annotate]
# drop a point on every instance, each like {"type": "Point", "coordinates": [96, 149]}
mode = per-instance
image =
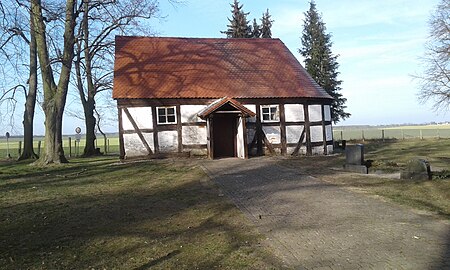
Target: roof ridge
{"type": "Point", "coordinates": [200, 38]}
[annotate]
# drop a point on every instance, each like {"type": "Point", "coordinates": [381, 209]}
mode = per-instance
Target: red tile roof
{"type": "Point", "coordinates": [156, 67]}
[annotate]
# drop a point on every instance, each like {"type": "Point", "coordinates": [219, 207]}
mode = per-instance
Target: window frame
{"type": "Point", "coordinates": [270, 107]}
{"type": "Point", "coordinates": [166, 115]}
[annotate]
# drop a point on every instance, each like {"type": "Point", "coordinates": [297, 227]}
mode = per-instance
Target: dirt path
{"type": "Point", "coordinates": [315, 225]}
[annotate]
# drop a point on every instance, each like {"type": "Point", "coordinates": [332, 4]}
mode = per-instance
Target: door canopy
{"type": "Point", "coordinates": [224, 105]}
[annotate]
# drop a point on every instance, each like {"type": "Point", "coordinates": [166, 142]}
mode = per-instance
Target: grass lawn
{"type": "Point", "coordinates": [390, 157]}
{"type": "Point", "coordinates": [100, 214]}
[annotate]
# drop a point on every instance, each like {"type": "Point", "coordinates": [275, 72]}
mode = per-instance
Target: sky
{"type": "Point", "coordinates": [379, 44]}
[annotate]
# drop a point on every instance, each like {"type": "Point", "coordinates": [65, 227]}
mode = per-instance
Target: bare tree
{"type": "Point", "coordinates": [13, 27]}
{"type": "Point", "coordinates": [435, 78]}
{"type": "Point", "coordinates": [94, 50]}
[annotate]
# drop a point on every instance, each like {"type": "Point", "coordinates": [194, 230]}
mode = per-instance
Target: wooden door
{"type": "Point", "coordinates": [224, 135]}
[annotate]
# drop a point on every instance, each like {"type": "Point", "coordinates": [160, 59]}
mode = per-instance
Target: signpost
{"type": "Point", "coordinates": [7, 145]}
{"type": "Point", "coordinates": [77, 139]}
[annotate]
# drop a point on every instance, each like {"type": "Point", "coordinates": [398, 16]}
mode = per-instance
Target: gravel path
{"type": "Point", "coordinates": [312, 224]}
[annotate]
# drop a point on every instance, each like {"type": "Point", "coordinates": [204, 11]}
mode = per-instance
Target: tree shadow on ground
{"type": "Point", "coordinates": [117, 216]}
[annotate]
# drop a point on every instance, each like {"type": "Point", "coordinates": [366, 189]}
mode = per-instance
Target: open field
{"type": "Point", "coordinates": [100, 214]}
{"type": "Point", "coordinates": [112, 143]}
{"type": "Point", "coordinates": [400, 132]}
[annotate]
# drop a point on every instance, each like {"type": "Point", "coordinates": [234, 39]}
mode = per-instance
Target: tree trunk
{"type": "Point", "coordinates": [89, 148]}
{"type": "Point", "coordinates": [28, 115]}
{"type": "Point", "coordinates": [88, 100]}
{"type": "Point", "coordinates": [54, 95]}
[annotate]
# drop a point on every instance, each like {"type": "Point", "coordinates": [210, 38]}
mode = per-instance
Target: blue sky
{"type": "Point", "coordinates": [379, 43]}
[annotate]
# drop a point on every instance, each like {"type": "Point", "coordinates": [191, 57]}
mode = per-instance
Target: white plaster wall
{"type": "Point", "coordinates": [134, 146]}
{"type": "Point", "coordinates": [327, 112]}
{"type": "Point", "coordinates": [316, 134]}
{"type": "Point", "coordinates": [302, 150]}
{"type": "Point", "coordinates": [141, 115]}
{"type": "Point", "coordinates": [240, 139]}
{"type": "Point", "coordinates": [189, 113]}
{"type": "Point", "coordinates": [293, 134]}
{"type": "Point", "coordinates": [273, 134]}
{"type": "Point", "coordinates": [330, 149]}
{"type": "Point", "coordinates": [194, 135]}
{"type": "Point", "coordinates": [329, 132]}
{"type": "Point", "coordinates": [168, 141]}
{"type": "Point", "coordinates": [294, 112]}
{"type": "Point", "coordinates": [253, 109]}
{"type": "Point", "coordinates": [315, 113]}
{"type": "Point", "coordinates": [317, 150]}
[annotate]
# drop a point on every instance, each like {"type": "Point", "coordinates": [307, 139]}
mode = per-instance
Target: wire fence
{"type": "Point", "coordinates": [390, 133]}
{"type": "Point", "coordinates": [13, 146]}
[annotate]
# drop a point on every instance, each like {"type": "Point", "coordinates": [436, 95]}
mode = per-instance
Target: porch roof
{"type": "Point", "coordinates": [216, 105]}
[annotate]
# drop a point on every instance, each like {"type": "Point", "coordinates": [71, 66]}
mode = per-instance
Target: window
{"type": "Point", "coordinates": [166, 115]}
{"type": "Point", "coordinates": [269, 113]}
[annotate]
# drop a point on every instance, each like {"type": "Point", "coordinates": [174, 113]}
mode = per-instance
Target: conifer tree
{"type": "Point", "coordinates": [256, 29]}
{"type": "Point", "coordinates": [266, 25]}
{"type": "Point", "coordinates": [239, 26]}
{"type": "Point", "coordinates": [320, 62]}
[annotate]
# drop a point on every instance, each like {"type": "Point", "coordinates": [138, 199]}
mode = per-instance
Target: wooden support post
{"type": "Point", "coordinates": [259, 148]}
{"type": "Point", "coordinates": [70, 147]}
{"type": "Point", "coordinates": [121, 141]}
{"type": "Point", "coordinates": [245, 137]}
{"type": "Point", "coordinates": [342, 135]}
{"type": "Point", "coordinates": [105, 144]}
{"type": "Point", "coordinates": [382, 134]}
{"type": "Point", "coordinates": [209, 132]}
{"type": "Point", "coordinates": [39, 148]}
{"type": "Point", "coordinates": [362, 134]}
{"type": "Point", "coordinates": [324, 131]}
{"type": "Point", "coordinates": [155, 131]}
{"type": "Point", "coordinates": [421, 135]}
{"type": "Point", "coordinates": [283, 130]}
{"type": "Point", "coordinates": [179, 129]}
{"type": "Point", "coordinates": [307, 130]}
{"type": "Point", "coordinates": [403, 135]}
{"type": "Point", "coordinates": [20, 148]}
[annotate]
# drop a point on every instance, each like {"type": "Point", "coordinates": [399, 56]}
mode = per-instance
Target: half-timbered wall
{"type": "Point", "coordinates": [300, 128]}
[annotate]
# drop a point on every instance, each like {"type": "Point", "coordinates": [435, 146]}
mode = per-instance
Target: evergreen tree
{"type": "Point", "coordinates": [266, 24]}
{"type": "Point", "coordinates": [239, 26]}
{"type": "Point", "coordinates": [256, 30]}
{"type": "Point", "coordinates": [320, 62]}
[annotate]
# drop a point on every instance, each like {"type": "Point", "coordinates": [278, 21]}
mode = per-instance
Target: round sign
{"type": "Point", "coordinates": [78, 130]}
{"type": "Point", "coordinates": [7, 135]}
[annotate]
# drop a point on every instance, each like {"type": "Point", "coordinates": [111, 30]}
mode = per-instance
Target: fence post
{"type": "Point", "coordinates": [39, 148]}
{"type": "Point", "coordinates": [70, 147]}
{"type": "Point", "coordinates": [108, 144]}
{"type": "Point", "coordinates": [342, 135]}
{"type": "Point", "coordinates": [421, 135]}
{"type": "Point", "coordinates": [105, 142]}
{"type": "Point", "coordinates": [438, 135]}
{"type": "Point", "coordinates": [382, 134]}
{"type": "Point", "coordinates": [403, 135]}
{"type": "Point", "coordinates": [20, 148]}
{"type": "Point", "coordinates": [362, 133]}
